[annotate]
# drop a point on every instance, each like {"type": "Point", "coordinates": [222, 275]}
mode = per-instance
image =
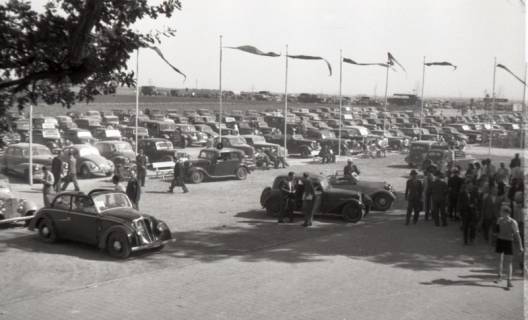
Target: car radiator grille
{"type": "Point", "coordinates": [145, 230]}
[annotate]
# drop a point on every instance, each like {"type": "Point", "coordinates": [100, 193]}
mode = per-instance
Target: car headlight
{"type": "Point", "coordinates": [388, 187]}
{"type": "Point", "coordinates": [162, 226]}
{"type": "Point", "coordinates": [92, 166]}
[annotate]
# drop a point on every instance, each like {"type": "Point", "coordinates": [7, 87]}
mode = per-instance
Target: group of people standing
{"type": "Point", "coordinates": [485, 199]}
{"type": "Point", "coordinates": [271, 157]}
{"type": "Point", "coordinates": [311, 198]}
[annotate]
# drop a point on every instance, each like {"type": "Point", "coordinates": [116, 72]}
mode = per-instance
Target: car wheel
{"type": "Point", "coordinates": [264, 196]}
{"type": "Point", "coordinates": [352, 212]}
{"type": "Point", "coordinates": [196, 177]}
{"type": "Point", "coordinates": [117, 245]}
{"type": "Point", "coordinates": [47, 231]}
{"type": "Point", "coordinates": [382, 202]}
{"type": "Point", "coordinates": [273, 208]}
{"type": "Point", "coordinates": [241, 173]}
{"type": "Point", "coordinates": [85, 172]}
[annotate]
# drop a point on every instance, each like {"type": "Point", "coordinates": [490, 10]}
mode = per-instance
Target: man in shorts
{"type": "Point", "coordinates": [507, 230]}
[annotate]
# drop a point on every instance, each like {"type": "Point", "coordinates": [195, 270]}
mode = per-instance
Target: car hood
{"type": "Point", "coordinates": [124, 214]}
{"type": "Point", "coordinates": [97, 159]}
{"type": "Point", "coordinates": [343, 192]}
{"type": "Point", "coordinates": [199, 163]}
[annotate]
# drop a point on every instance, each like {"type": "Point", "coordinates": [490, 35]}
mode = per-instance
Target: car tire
{"type": "Point", "coordinates": [47, 231]}
{"type": "Point", "coordinates": [196, 177]}
{"type": "Point", "coordinates": [352, 212]}
{"type": "Point", "coordinates": [273, 208]}
{"type": "Point", "coordinates": [241, 173]}
{"type": "Point", "coordinates": [382, 202]}
{"type": "Point", "coordinates": [85, 172]}
{"type": "Point", "coordinates": [264, 196]}
{"type": "Point", "coordinates": [117, 245]}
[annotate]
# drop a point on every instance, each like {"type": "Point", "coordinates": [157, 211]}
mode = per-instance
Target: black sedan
{"type": "Point", "coordinates": [102, 218]}
{"type": "Point", "coordinates": [349, 204]}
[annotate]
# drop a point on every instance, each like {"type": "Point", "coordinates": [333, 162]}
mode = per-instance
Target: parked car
{"type": "Point", "coordinates": [236, 142]}
{"type": "Point", "coordinates": [337, 201]}
{"type": "Point", "coordinates": [296, 144]}
{"type": "Point", "coordinates": [473, 136]}
{"type": "Point", "coordinates": [218, 163]}
{"type": "Point", "coordinates": [116, 151]}
{"type": "Point", "coordinates": [16, 160]}
{"type": "Point", "coordinates": [90, 162]}
{"type": "Point", "coordinates": [51, 138]}
{"type": "Point", "coordinates": [394, 142]}
{"type": "Point", "coordinates": [157, 149]}
{"type": "Point", "coordinates": [130, 132]}
{"type": "Point", "coordinates": [418, 152]}
{"type": "Point", "coordinates": [79, 136]}
{"type": "Point", "coordinates": [13, 209]}
{"type": "Point", "coordinates": [102, 218]}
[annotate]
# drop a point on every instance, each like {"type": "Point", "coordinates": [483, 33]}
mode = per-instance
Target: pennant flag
{"type": "Point", "coordinates": [393, 61]}
{"type": "Point", "coordinates": [510, 72]}
{"type": "Point", "coordinates": [253, 50]}
{"type": "Point", "coordinates": [441, 63]}
{"type": "Point", "coordinates": [158, 51]}
{"type": "Point", "coordinates": [303, 57]}
{"type": "Point", "coordinates": [347, 60]}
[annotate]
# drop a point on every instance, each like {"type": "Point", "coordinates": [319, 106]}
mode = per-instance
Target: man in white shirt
{"type": "Point", "coordinates": [47, 184]}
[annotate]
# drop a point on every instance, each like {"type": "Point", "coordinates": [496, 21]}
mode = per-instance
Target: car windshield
{"type": "Point", "coordinates": [107, 201]}
{"type": "Point", "coordinates": [88, 151]}
{"type": "Point", "coordinates": [163, 145]}
{"type": "Point", "coordinates": [38, 151]}
{"type": "Point", "coordinates": [206, 155]}
{"type": "Point", "coordinates": [124, 147]}
{"type": "Point", "coordinates": [236, 141]}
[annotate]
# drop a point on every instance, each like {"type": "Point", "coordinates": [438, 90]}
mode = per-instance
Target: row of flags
{"type": "Point", "coordinates": [391, 61]}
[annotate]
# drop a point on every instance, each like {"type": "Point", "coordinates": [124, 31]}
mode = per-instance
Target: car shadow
{"type": "Point", "coordinates": [399, 166]}
{"type": "Point", "coordinates": [472, 283]}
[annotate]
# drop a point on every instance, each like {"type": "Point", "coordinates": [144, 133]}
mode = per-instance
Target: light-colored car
{"type": "Point", "coordinates": [89, 161]}
{"type": "Point", "coordinates": [13, 209]}
{"type": "Point", "coordinates": [16, 160]}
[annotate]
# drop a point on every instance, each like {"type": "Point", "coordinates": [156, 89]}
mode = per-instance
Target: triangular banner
{"type": "Point", "coordinates": [304, 57]}
{"type": "Point", "coordinates": [253, 50]}
{"type": "Point", "coordinates": [158, 51]}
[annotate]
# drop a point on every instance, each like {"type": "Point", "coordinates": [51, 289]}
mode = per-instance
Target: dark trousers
{"type": "Point", "coordinates": [487, 223]}
{"type": "Point", "coordinates": [288, 204]}
{"type": "Point", "coordinates": [72, 179]}
{"type": "Point", "coordinates": [439, 211]}
{"type": "Point", "coordinates": [413, 205]}
{"type": "Point", "coordinates": [428, 206]}
{"type": "Point", "coordinates": [57, 182]}
{"type": "Point", "coordinates": [469, 226]}
{"type": "Point", "coordinates": [452, 206]}
{"type": "Point", "coordinates": [141, 175]}
{"type": "Point", "coordinates": [46, 191]}
{"type": "Point", "coordinates": [178, 182]}
{"type": "Point", "coordinates": [307, 208]}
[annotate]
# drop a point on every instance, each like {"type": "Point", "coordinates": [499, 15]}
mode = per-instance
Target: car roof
{"type": "Point", "coordinates": [26, 145]}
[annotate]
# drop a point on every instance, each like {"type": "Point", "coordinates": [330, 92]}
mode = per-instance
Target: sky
{"type": "Point", "coordinates": [468, 33]}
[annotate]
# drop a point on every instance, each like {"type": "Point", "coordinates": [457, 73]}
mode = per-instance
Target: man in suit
{"type": "Point", "coordinates": [141, 165]}
{"type": "Point", "coordinates": [454, 183]}
{"type": "Point", "coordinates": [413, 195]}
{"type": "Point", "coordinates": [56, 170]}
{"type": "Point", "coordinates": [288, 188]}
{"type": "Point", "coordinates": [439, 193]}
{"type": "Point", "coordinates": [490, 210]}
{"type": "Point", "coordinates": [133, 190]}
{"type": "Point", "coordinates": [179, 177]}
{"type": "Point", "coordinates": [349, 170]}
{"type": "Point", "coordinates": [468, 203]}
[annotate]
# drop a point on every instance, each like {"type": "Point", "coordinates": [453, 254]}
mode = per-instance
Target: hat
{"type": "Point", "coordinates": [349, 160]}
{"type": "Point", "coordinates": [413, 172]}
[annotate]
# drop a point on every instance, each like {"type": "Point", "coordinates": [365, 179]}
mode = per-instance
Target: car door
{"type": "Point", "coordinates": [84, 220]}
{"type": "Point", "coordinates": [59, 212]}
{"type": "Point", "coordinates": [224, 164]}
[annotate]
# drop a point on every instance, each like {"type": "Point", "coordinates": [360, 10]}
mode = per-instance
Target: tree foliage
{"type": "Point", "coordinates": [81, 44]}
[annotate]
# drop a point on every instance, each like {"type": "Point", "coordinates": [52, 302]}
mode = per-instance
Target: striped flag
{"type": "Point", "coordinates": [304, 57]}
{"type": "Point", "coordinates": [253, 50]}
{"type": "Point", "coordinates": [441, 63]}
{"type": "Point", "coordinates": [510, 72]}
{"type": "Point", "coordinates": [347, 60]}
{"type": "Point", "coordinates": [392, 61]}
{"type": "Point", "coordinates": [158, 51]}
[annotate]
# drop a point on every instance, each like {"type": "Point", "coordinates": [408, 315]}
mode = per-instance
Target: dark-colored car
{"type": "Point", "coordinates": [236, 142]}
{"type": "Point", "coordinates": [102, 218]}
{"type": "Point", "coordinates": [296, 144]}
{"type": "Point", "coordinates": [16, 159]}
{"type": "Point", "coordinates": [51, 138]}
{"type": "Point", "coordinates": [157, 149]}
{"type": "Point", "coordinates": [337, 201]}
{"type": "Point", "coordinates": [219, 163]}
{"type": "Point", "coordinates": [79, 136]}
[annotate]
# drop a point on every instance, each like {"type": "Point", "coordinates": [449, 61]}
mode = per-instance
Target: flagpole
{"type": "Point", "coordinates": [30, 170]}
{"type": "Point", "coordinates": [340, 98]}
{"type": "Point", "coordinates": [286, 103]}
{"type": "Point", "coordinates": [385, 104]}
{"type": "Point", "coordinates": [492, 105]}
{"type": "Point", "coordinates": [523, 129]}
{"type": "Point", "coordinates": [220, 95]}
{"type": "Point", "coordinates": [137, 97]}
{"type": "Point", "coordinates": [422, 101]}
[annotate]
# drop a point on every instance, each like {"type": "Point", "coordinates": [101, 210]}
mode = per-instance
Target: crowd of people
{"type": "Point", "coordinates": [483, 198]}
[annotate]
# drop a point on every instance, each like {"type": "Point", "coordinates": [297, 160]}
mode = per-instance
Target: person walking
{"type": "Point", "coordinates": [179, 177]}
{"type": "Point", "coordinates": [438, 198]}
{"type": "Point", "coordinates": [468, 204]}
{"type": "Point", "coordinates": [47, 184]}
{"type": "Point", "coordinates": [515, 162]}
{"type": "Point", "coordinates": [133, 190]}
{"type": "Point", "coordinates": [427, 201]}
{"type": "Point", "coordinates": [308, 198]}
{"type": "Point", "coordinates": [413, 195]}
{"type": "Point", "coordinates": [502, 178]}
{"type": "Point", "coordinates": [454, 184]}
{"type": "Point", "coordinates": [288, 189]}
{"type": "Point", "coordinates": [490, 211]}
{"type": "Point", "coordinates": [141, 165]}
{"type": "Point", "coordinates": [71, 176]}
{"type": "Point", "coordinates": [56, 170]}
{"type": "Point", "coordinates": [507, 231]}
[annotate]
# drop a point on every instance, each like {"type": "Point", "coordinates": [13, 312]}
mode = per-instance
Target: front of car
{"type": "Point", "coordinates": [91, 163]}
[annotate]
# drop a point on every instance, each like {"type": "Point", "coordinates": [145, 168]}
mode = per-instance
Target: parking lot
{"type": "Point", "coordinates": [231, 261]}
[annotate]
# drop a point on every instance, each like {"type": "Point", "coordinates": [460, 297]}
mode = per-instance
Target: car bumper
{"type": "Point", "coordinates": [154, 244]}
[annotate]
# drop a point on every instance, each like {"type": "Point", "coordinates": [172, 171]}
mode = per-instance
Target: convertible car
{"type": "Point", "coordinates": [381, 193]}
{"type": "Point", "coordinates": [349, 204]}
{"type": "Point", "coordinates": [103, 218]}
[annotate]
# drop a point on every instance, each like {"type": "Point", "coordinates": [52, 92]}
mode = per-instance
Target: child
{"type": "Point", "coordinates": [507, 229]}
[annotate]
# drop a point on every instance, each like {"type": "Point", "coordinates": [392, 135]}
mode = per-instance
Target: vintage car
{"type": "Point", "coordinates": [79, 136]}
{"type": "Point", "coordinates": [349, 204]}
{"type": "Point", "coordinates": [473, 136]}
{"type": "Point", "coordinates": [329, 139]}
{"type": "Point", "coordinates": [102, 218]}
{"type": "Point", "coordinates": [191, 135]}
{"type": "Point", "coordinates": [51, 138]}
{"type": "Point", "coordinates": [418, 151]}
{"type": "Point", "coordinates": [110, 120]}
{"type": "Point", "coordinates": [206, 129]}
{"type": "Point", "coordinates": [114, 150]}
{"type": "Point", "coordinates": [236, 142]}
{"type": "Point", "coordinates": [218, 164]}
{"type": "Point", "coordinates": [296, 144]}
{"type": "Point", "coordinates": [102, 133]}
{"type": "Point", "coordinates": [381, 193]}
{"type": "Point", "coordinates": [16, 160]}
{"type": "Point", "coordinates": [395, 142]}
{"type": "Point", "coordinates": [157, 149]}
{"type": "Point", "coordinates": [90, 163]}
{"type": "Point", "coordinates": [88, 123]}
{"type": "Point", "coordinates": [65, 122]}
{"type": "Point", "coordinates": [13, 209]}
{"type": "Point", "coordinates": [130, 132]}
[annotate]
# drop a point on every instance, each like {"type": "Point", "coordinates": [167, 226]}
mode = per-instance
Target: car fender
{"type": "Point", "coordinates": [200, 169]}
{"type": "Point", "coordinates": [28, 205]}
{"type": "Point", "coordinates": [39, 216]}
{"type": "Point", "coordinates": [344, 202]}
{"type": "Point", "coordinates": [103, 236]}
{"type": "Point", "coordinates": [385, 192]}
